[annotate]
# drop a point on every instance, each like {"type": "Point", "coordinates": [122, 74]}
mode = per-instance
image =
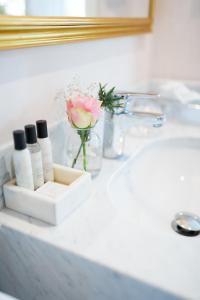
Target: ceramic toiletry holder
{"type": "Point", "coordinates": [54, 201]}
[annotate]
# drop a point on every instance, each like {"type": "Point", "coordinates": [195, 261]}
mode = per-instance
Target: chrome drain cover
{"type": "Point", "coordinates": [186, 224]}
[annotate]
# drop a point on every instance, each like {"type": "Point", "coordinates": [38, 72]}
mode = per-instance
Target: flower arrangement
{"type": "Point", "coordinates": [114, 105]}
{"type": "Point", "coordinates": [109, 100]}
{"type": "Point", "coordinates": [83, 112]}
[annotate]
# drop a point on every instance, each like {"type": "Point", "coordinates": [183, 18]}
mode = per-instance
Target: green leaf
{"type": "Point", "coordinates": [108, 98]}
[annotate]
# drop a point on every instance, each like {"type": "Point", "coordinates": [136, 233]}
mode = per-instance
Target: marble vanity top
{"type": "Point", "coordinates": [6, 297]}
{"type": "Point", "coordinates": [99, 233]}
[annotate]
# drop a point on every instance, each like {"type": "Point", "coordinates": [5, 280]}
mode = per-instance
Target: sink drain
{"type": "Point", "coordinates": [186, 224]}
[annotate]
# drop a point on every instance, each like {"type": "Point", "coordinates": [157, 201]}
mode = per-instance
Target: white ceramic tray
{"type": "Point", "coordinates": [54, 201]}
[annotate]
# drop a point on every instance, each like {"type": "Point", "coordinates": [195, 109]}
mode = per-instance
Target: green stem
{"type": "Point", "coordinates": [84, 138]}
{"type": "Point", "coordinates": [84, 154]}
{"type": "Point", "coordinates": [77, 155]}
{"type": "Point", "coordinates": [84, 134]}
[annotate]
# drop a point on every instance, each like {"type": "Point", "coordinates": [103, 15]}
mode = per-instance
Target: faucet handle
{"type": "Point", "coordinates": [142, 107]}
{"type": "Point", "coordinates": [132, 95]}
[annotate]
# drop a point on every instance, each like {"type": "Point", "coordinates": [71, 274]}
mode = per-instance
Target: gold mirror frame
{"type": "Point", "coordinates": [20, 32]}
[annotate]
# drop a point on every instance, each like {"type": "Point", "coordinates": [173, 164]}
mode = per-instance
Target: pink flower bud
{"type": "Point", "coordinates": [83, 111]}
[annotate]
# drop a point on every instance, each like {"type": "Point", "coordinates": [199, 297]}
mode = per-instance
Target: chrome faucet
{"type": "Point", "coordinates": [138, 108]}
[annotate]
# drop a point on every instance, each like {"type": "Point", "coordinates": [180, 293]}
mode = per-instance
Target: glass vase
{"type": "Point", "coordinates": [114, 135]}
{"type": "Point", "coordinates": [84, 150]}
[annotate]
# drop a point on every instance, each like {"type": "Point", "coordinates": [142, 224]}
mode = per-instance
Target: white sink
{"type": "Point", "coordinates": [163, 179]}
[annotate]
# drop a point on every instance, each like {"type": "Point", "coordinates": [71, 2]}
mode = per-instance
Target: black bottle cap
{"type": "Point", "coordinates": [42, 131]}
{"type": "Point", "coordinates": [19, 139]}
{"type": "Point", "coordinates": [30, 134]}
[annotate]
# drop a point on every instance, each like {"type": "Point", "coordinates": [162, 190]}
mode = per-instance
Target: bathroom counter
{"type": "Point", "coordinates": [6, 297]}
{"type": "Point", "coordinates": [102, 249]}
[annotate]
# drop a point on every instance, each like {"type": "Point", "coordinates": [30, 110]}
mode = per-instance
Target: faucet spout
{"type": "Point", "coordinates": [142, 107]}
{"type": "Point", "coordinates": [134, 109]}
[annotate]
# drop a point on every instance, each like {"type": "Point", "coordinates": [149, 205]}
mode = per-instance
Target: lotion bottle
{"type": "Point", "coordinates": [22, 161]}
{"type": "Point", "coordinates": [46, 150]}
{"type": "Point", "coordinates": [36, 156]}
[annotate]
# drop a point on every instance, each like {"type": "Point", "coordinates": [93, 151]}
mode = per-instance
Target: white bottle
{"type": "Point", "coordinates": [22, 161]}
{"type": "Point", "coordinates": [36, 156]}
{"type": "Point", "coordinates": [45, 145]}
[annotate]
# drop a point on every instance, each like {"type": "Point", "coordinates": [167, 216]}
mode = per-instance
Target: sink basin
{"type": "Point", "coordinates": [163, 179]}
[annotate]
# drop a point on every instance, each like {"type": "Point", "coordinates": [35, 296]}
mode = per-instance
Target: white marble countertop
{"type": "Point", "coordinates": [6, 297]}
{"type": "Point", "coordinates": [97, 231]}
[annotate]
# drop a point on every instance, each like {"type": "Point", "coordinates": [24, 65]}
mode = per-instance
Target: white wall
{"type": "Point", "coordinates": [30, 78]}
{"type": "Point", "coordinates": [176, 40]}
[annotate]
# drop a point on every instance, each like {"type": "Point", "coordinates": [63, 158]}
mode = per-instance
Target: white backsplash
{"type": "Point", "coordinates": [6, 169]}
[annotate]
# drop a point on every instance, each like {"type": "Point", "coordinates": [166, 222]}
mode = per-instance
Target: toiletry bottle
{"type": "Point", "coordinates": [22, 161]}
{"type": "Point", "coordinates": [46, 150]}
{"type": "Point", "coordinates": [36, 156]}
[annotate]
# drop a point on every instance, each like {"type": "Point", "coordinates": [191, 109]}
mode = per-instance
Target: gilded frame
{"type": "Point", "coordinates": [21, 32]}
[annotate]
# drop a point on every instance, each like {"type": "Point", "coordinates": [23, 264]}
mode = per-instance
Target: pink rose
{"type": "Point", "coordinates": [83, 111]}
